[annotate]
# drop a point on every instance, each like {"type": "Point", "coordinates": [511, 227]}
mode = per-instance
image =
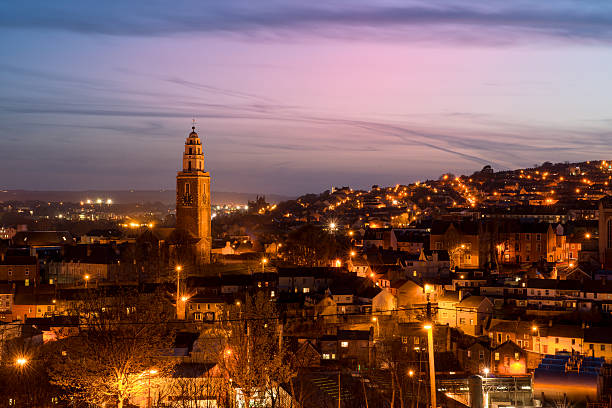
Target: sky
{"type": "Point", "coordinates": [293, 97]}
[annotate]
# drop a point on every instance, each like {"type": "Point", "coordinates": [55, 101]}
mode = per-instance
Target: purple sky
{"type": "Point", "coordinates": [292, 97]}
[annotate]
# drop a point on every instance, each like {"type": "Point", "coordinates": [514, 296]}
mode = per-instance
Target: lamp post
{"type": "Point", "coordinates": [264, 261]}
{"type": "Point", "coordinates": [86, 277]}
{"type": "Point", "coordinates": [375, 320]}
{"type": "Point", "coordinates": [535, 330]}
{"type": "Point", "coordinates": [178, 269]}
{"type": "Point", "coordinates": [432, 368]}
{"type": "Point", "coordinates": [149, 373]}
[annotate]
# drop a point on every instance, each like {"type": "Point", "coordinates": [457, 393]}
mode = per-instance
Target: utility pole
{"type": "Point", "coordinates": [432, 368]}
{"type": "Point", "coordinates": [429, 326]}
{"type": "Point", "coordinates": [339, 391]}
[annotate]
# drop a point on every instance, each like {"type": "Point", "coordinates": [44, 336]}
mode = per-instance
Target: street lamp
{"type": "Point", "coordinates": [178, 269]}
{"type": "Point", "coordinates": [353, 253]}
{"type": "Point", "coordinates": [21, 362]}
{"type": "Point", "coordinates": [432, 368]}
{"type": "Point", "coordinates": [535, 329]}
{"type": "Point", "coordinates": [86, 280]}
{"type": "Point", "coordinates": [486, 371]}
{"type": "Point", "coordinates": [150, 372]}
{"type": "Point", "coordinates": [264, 261]}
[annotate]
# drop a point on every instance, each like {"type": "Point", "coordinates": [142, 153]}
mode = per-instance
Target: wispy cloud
{"type": "Point", "coordinates": [494, 21]}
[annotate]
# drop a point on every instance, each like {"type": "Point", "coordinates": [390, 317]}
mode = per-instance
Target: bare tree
{"type": "Point", "coordinates": [253, 358]}
{"type": "Point", "coordinates": [121, 338]}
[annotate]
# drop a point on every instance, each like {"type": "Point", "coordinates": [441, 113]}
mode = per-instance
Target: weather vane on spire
{"type": "Point", "coordinates": [193, 123]}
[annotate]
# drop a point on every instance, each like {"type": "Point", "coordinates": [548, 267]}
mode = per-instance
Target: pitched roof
{"type": "Point", "coordinates": [353, 335]}
{"type": "Point", "coordinates": [449, 296]}
{"type": "Point", "coordinates": [557, 284]}
{"type": "Point", "coordinates": [42, 238]}
{"type": "Point", "coordinates": [472, 301]}
{"type": "Point", "coordinates": [19, 260]}
{"type": "Point", "coordinates": [598, 335]}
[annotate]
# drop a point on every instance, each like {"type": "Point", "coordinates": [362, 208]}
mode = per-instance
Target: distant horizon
{"type": "Point", "coordinates": [297, 194]}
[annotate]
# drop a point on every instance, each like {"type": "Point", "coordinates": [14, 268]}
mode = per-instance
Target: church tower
{"type": "Point", "coordinates": [193, 198]}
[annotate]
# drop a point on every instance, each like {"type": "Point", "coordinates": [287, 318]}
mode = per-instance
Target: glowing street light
{"type": "Point", "coordinates": [178, 269]}
{"type": "Point", "coordinates": [486, 371]}
{"type": "Point", "coordinates": [21, 362]}
{"type": "Point", "coordinates": [184, 298]}
{"type": "Point", "coordinates": [264, 261]}
{"type": "Point", "coordinates": [353, 253]}
{"type": "Point", "coordinates": [150, 372]}
{"type": "Point", "coordinates": [410, 373]}
{"type": "Point", "coordinates": [86, 277]}
{"type": "Point", "coordinates": [332, 226]}
{"type": "Point", "coordinates": [432, 369]}
{"type": "Point", "coordinates": [587, 235]}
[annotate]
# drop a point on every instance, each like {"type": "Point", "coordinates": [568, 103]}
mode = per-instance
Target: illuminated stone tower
{"type": "Point", "coordinates": [193, 198]}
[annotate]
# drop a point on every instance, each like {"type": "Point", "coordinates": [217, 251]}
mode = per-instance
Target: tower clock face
{"type": "Point", "coordinates": [187, 199]}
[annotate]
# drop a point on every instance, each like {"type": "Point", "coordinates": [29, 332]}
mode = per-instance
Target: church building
{"type": "Point", "coordinates": [193, 212]}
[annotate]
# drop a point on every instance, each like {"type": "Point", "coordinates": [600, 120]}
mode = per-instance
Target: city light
{"type": "Point", "coordinates": [427, 326]}
{"type": "Point", "coordinates": [21, 361]}
{"type": "Point", "coordinates": [179, 268]}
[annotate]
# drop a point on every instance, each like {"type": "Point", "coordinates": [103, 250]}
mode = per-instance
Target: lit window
{"type": "Point", "coordinates": [496, 356]}
{"type": "Point", "coordinates": [344, 344]}
{"type": "Point", "coordinates": [306, 290]}
{"type": "Point", "coordinates": [326, 356]}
